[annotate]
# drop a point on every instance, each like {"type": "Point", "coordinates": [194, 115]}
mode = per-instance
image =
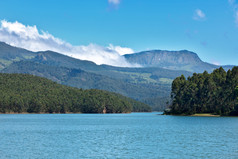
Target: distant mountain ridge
{"type": "Point", "coordinates": [175, 60]}
{"type": "Point", "coordinates": [150, 85]}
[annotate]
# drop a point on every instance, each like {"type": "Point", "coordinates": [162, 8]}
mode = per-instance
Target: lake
{"type": "Point", "coordinates": [135, 135]}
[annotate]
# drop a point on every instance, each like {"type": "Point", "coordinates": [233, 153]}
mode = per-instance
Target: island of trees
{"type": "Point", "coordinates": [22, 93]}
{"type": "Point", "coordinates": [215, 93]}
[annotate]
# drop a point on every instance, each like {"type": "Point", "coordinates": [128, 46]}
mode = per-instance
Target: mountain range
{"type": "Point", "coordinates": [150, 83]}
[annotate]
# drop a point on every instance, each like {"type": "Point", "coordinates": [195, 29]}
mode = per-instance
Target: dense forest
{"type": "Point", "coordinates": [147, 93]}
{"type": "Point", "coordinates": [21, 93]}
{"type": "Point", "coordinates": [215, 93]}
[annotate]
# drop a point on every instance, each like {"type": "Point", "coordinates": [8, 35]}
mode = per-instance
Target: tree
{"type": "Point", "coordinates": [214, 93]}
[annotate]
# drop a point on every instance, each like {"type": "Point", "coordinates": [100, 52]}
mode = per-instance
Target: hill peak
{"type": "Point", "coordinates": [163, 58]}
{"type": "Point", "coordinates": [175, 60]}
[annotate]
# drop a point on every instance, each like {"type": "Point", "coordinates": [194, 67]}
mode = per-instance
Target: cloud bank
{"type": "Point", "coordinates": [28, 37]}
{"type": "Point", "coordinates": [199, 15]}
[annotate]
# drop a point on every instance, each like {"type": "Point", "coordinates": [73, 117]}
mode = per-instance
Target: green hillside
{"type": "Point", "coordinates": [144, 92]}
{"type": "Point", "coordinates": [9, 54]}
{"type": "Point", "coordinates": [215, 93]}
{"type": "Point", "coordinates": [149, 85]}
{"type": "Point", "coordinates": [26, 93]}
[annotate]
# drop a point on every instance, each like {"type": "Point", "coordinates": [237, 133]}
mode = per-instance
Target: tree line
{"type": "Point", "coordinates": [215, 93]}
{"type": "Point", "coordinates": [21, 93]}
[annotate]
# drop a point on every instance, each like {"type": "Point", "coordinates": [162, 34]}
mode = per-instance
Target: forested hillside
{"type": "Point", "coordinates": [215, 93]}
{"type": "Point", "coordinates": [150, 84]}
{"type": "Point", "coordinates": [87, 80]}
{"type": "Point", "coordinates": [26, 93]}
{"type": "Point", "coordinates": [139, 84]}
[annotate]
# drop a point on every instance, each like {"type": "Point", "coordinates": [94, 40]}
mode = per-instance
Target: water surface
{"type": "Point", "coordinates": [136, 135]}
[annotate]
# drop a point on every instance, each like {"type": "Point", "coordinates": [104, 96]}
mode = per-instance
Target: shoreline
{"type": "Point", "coordinates": [196, 115]}
{"type": "Point", "coordinates": [68, 113]}
{"type": "Point", "coordinates": [41, 113]}
{"type": "Point", "coordinates": [205, 115]}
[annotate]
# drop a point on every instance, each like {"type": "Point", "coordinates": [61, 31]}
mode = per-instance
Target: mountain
{"type": "Point", "coordinates": [9, 54]}
{"type": "Point", "coordinates": [175, 60]}
{"type": "Point", "coordinates": [26, 93]}
{"type": "Point", "coordinates": [143, 84]}
{"type": "Point", "coordinates": [144, 92]}
{"type": "Point", "coordinates": [150, 85]}
{"type": "Point", "coordinates": [86, 80]}
{"type": "Point", "coordinates": [56, 59]}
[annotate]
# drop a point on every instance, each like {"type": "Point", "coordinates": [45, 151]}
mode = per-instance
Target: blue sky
{"type": "Point", "coordinates": [209, 28]}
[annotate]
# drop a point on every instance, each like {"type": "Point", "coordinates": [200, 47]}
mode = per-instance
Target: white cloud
{"type": "Point", "coordinates": [199, 15]}
{"type": "Point", "coordinates": [114, 2]}
{"type": "Point", "coordinates": [121, 50]}
{"type": "Point", "coordinates": [28, 37]}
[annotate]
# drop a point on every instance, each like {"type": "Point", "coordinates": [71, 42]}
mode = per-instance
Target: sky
{"type": "Point", "coordinates": [103, 30]}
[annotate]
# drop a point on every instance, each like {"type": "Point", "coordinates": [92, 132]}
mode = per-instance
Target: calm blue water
{"type": "Point", "coordinates": [136, 135]}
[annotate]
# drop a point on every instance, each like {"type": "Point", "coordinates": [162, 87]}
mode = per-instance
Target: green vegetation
{"type": "Point", "coordinates": [5, 62]}
{"type": "Point", "coordinates": [148, 85]}
{"type": "Point", "coordinates": [148, 93]}
{"type": "Point", "coordinates": [138, 77]}
{"type": "Point", "coordinates": [21, 93]}
{"type": "Point", "coordinates": [159, 103]}
{"type": "Point", "coordinates": [215, 93]}
{"type": "Point", "coordinates": [166, 80]}
{"type": "Point", "coordinates": [151, 85]}
{"type": "Point", "coordinates": [9, 54]}
{"type": "Point", "coordinates": [137, 106]}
